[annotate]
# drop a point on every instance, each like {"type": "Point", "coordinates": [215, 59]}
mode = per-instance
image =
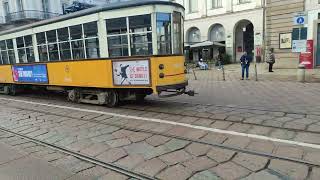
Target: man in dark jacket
{"type": "Point", "coordinates": [271, 59]}
{"type": "Point", "coordinates": [245, 61]}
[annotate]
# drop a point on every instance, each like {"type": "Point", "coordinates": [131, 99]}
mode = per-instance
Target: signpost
{"type": "Point", "coordinates": [300, 18]}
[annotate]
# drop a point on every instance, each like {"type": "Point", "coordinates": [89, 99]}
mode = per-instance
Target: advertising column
{"type": "Point", "coordinates": [306, 58]}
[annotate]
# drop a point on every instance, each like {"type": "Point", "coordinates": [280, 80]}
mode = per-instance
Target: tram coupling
{"type": "Point", "coordinates": [176, 93]}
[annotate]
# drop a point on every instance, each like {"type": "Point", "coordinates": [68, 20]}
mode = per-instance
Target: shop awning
{"type": "Point", "coordinates": [207, 44]}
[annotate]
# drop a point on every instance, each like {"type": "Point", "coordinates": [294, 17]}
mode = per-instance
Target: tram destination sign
{"type": "Point", "coordinates": [131, 72]}
{"type": "Point", "coordinates": [30, 73]}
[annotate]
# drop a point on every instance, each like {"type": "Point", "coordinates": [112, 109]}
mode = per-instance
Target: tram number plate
{"type": "Point", "coordinates": [131, 72]}
{"type": "Point", "coordinates": [30, 73]}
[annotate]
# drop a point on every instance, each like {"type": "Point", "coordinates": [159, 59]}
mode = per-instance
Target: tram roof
{"type": "Point", "coordinates": [107, 7]}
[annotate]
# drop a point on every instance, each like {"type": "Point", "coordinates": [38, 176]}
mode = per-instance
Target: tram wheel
{"type": "Point", "coordinates": [13, 90]}
{"type": "Point", "coordinates": [74, 95]}
{"type": "Point", "coordinates": [112, 99]}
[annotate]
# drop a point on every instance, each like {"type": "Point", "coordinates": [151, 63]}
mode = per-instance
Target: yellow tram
{"type": "Point", "coordinates": [100, 55]}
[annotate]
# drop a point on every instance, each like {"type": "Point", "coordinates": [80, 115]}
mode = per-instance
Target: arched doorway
{"type": "Point", "coordinates": [244, 38]}
{"type": "Point", "coordinates": [193, 37]}
{"type": "Point", "coordinates": [217, 34]}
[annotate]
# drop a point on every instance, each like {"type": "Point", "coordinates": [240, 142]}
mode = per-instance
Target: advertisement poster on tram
{"type": "Point", "coordinates": [133, 73]}
{"type": "Point", "coordinates": [30, 73]}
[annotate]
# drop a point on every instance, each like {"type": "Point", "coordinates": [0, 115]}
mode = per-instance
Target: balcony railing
{"type": "Point", "coordinates": [29, 15]}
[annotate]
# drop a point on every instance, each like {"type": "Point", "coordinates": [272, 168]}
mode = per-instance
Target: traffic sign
{"type": "Point", "coordinates": [300, 18]}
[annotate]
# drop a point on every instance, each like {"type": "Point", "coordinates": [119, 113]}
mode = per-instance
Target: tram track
{"type": "Point", "coordinates": [83, 157]}
{"type": "Point", "coordinates": [127, 107]}
{"type": "Point", "coordinates": [123, 127]}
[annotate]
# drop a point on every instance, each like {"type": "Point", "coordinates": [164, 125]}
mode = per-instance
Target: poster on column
{"type": "Point", "coordinates": [131, 73]}
{"type": "Point", "coordinates": [30, 73]}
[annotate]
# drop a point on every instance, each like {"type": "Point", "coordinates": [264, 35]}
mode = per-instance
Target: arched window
{"type": "Point", "coordinates": [194, 35]}
{"type": "Point", "coordinates": [217, 33]}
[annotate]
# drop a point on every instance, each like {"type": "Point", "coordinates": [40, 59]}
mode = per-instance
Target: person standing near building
{"type": "Point", "coordinates": [271, 59]}
{"type": "Point", "coordinates": [245, 61]}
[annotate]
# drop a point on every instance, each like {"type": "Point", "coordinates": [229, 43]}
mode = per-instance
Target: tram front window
{"type": "Point", "coordinates": [177, 33]}
{"type": "Point", "coordinates": [164, 33]}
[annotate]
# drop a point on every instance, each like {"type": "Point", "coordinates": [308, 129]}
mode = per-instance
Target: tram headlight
{"type": "Point", "coordinates": [161, 75]}
{"type": "Point", "coordinates": [161, 66]}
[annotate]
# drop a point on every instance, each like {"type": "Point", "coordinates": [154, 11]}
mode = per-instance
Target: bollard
{"type": "Point", "coordinates": [256, 71]}
{"type": "Point", "coordinates": [301, 73]}
{"type": "Point", "coordinates": [223, 74]}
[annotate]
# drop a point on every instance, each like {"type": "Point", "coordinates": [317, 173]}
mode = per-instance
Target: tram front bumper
{"type": "Point", "coordinates": [174, 90]}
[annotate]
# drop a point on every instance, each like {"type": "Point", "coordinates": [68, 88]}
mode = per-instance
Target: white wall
{"type": "Point", "coordinates": [55, 5]}
{"type": "Point", "coordinates": [313, 9]}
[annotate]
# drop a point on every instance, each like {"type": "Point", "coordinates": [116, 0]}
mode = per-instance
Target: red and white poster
{"type": "Point", "coordinates": [306, 58]}
{"type": "Point", "coordinates": [135, 72]}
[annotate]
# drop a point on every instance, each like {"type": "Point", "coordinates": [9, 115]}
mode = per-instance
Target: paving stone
{"type": "Point", "coordinates": [289, 151]}
{"type": "Point", "coordinates": [94, 172]}
{"type": "Point", "coordinates": [67, 141]}
{"type": "Point", "coordinates": [113, 176]}
{"type": "Point", "coordinates": [264, 175]}
{"type": "Point", "coordinates": [277, 114]}
{"type": "Point", "coordinates": [122, 134]}
{"type": "Point", "coordinates": [197, 149]}
{"type": "Point", "coordinates": [235, 118]}
{"type": "Point", "coordinates": [252, 162]}
{"type": "Point", "coordinates": [220, 155]}
{"type": "Point", "coordinates": [141, 148]}
{"type": "Point", "coordinates": [157, 151]}
{"type": "Point", "coordinates": [200, 164]}
{"type": "Point", "coordinates": [282, 134]}
{"type": "Point", "coordinates": [284, 119]}
{"type": "Point", "coordinates": [253, 120]}
{"type": "Point", "coordinates": [315, 174]}
{"type": "Point", "coordinates": [205, 175]}
{"type": "Point", "coordinates": [261, 146]}
{"type": "Point", "coordinates": [157, 140]}
{"type": "Point", "coordinates": [203, 122]}
{"type": "Point", "coordinates": [118, 142]}
{"type": "Point", "coordinates": [290, 169]}
{"type": "Point", "coordinates": [195, 134]}
{"type": "Point", "coordinates": [188, 120]}
{"type": "Point", "coordinates": [219, 117]}
{"type": "Point", "coordinates": [308, 137]}
{"type": "Point", "coordinates": [139, 136]}
{"type": "Point", "coordinates": [221, 124]}
{"type": "Point", "coordinates": [112, 155]}
{"type": "Point", "coordinates": [175, 157]}
{"type": "Point", "coordinates": [230, 170]}
{"type": "Point", "coordinates": [316, 117]}
{"type": "Point", "coordinates": [295, 116]}
{"type": "Point", "coordinates": [103, 138]}
{"type": "Point", "coordinates": [295, 125]}
{"type": "Point", "coordinates": [176, 144]}
{"type": "Point", "coordinates": [312, 156]}
{"type": "Point", "coordinates": [131, 161]}
{"type": "Point", "coordinates": [37, 133]}
{"type": "Point", "coordinates": [237, 141]}
{"type": "Point", "coordinates": [177, 172]}
{"type": "Point", "coordinates": [178, 131]}
{"type": "Point", "coordinates": [53, 156]}
{"type": "Point", "coordinates": [151, 167]}
{"type": "Point", "coordinates": [259, 130]}
{"type": "Point", "coordinates": [95, 149]}
{"type": "Point", "coordinates": [237, 127]}
{"type": "Point", "coordinates": [273, 123]}
{"type": "Point", "coordinates": [79, 145]}
{"type": "Point", "coordinates": [214, 138]}
{"type": "Point", "coordinates": [314, 128]}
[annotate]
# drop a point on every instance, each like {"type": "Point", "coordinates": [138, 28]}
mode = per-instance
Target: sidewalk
{"type": "Point", "coordinates": [233, 73]}
{"type": "Point", "coordinates": [16, 165]}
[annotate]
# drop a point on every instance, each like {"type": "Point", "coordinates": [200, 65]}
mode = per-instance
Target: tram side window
{"type": "Point", "coordinates": [177, 33]}
{"type": "Point", "coordinates": [117, 37]}
{"type": "Point", "coordinates": [140, 35]}
{"type": "Point", "coordinates": [76, 33]}
{"type": "Point", "coordinates": [42, 47]}
{"type": "Point", "coordinates": [52, 45]}
{"type": "Point", "coordinates": [164, 33]}
{"type": "Point", "coordinates": [7, 52]}
{"type": "Point", "coordinates": [90, 31]}
{"type": "Point", "coordinates": [25, 49]}
{"type": "Point", "coordinates": [64, 43]}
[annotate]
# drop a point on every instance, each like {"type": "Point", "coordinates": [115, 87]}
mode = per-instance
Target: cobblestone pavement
{"type": "Point", "coordinates": [167, 151]}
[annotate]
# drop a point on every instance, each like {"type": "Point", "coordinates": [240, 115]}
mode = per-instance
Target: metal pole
{"type": "Point", "coordinates": [256, 71]}
{"type": "Point", "coordinates": [223, 74]}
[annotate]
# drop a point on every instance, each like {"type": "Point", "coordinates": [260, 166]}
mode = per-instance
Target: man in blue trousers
{"type": "Point", "coordinates": [245, 61]}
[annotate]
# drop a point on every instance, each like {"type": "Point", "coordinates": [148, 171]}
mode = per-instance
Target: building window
{"type": "Point", "coordinates": [25, 49]}
{"type": "Point", "coordinates": [7, 52]}
{"type": "Point", "coordinates": [117, 37]}
{"type": "Point", "coordinates": [45, 5]}
{"type": "Point", "coordinates": [193, 6]}
{"type": "Point", "coordinates": [216, 4]}
{"type": "Point", "coordinates": [177, 33]}
{"type": "Point", "coordinates": [140, 35]}
{"type": "Point", "coordinates": [164, 33]}
{"type": "Point", "coordinates": [6, 8]}
{"type": "Point", "coordinates": [244, 1]}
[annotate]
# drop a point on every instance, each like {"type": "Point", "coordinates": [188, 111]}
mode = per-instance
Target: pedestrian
{"type": "Point", "coordinates": [245, 61]}
{"type": "Point", "coordinates": [203, 65]}
{"type": "Point", "coordinates": [220, 59]}
{"type": "Point", "coordinates": [271, 59]}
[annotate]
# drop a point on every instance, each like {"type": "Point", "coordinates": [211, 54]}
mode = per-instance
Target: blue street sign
{"type": "Point", "coordinates": [300, 20]}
